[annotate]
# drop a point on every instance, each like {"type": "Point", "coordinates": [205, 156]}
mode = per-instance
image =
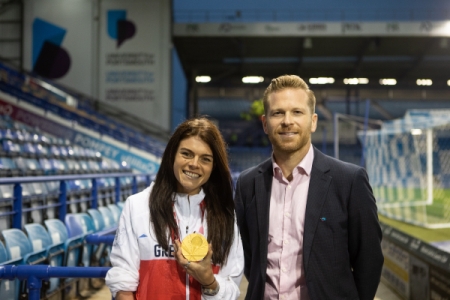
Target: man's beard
{"type": "Point", "coordinates": [291, 147]}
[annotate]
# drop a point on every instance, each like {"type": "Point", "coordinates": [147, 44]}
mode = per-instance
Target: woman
{"type": "Point", "coordinates": [192, 193]}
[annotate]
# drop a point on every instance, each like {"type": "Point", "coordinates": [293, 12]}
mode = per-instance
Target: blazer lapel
{"type": "Point", "coordinates": [318, 189]}
{"type": "Point", "coordinates": [263, 185]}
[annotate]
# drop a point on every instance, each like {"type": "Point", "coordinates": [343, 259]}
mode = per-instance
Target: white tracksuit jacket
{"type": "Point", "coordinates": [141, 265]}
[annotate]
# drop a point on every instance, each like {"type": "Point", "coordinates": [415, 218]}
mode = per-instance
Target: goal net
{"type": "Point", "coordinates": [408, 163]}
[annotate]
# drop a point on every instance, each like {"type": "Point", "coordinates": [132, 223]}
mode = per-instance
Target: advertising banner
{"type": "Point", "coordinates": [301, 29]}
{"type": "Point", "coordinates": [58, 41]}
{"type": "Point", "coordinates": [116, 51]}
{"type": "Point", "coordinates": [415, 269]}
{"type": "Point", "coordinates": [134, 58]}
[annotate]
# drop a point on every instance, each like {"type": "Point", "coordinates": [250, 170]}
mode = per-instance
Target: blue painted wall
{"type": "Point", "coordinates": [310, 10]}
{"type": "Point", "coordinates": [179, 92]}
{"type": "Point", "coordinates": [309, 4]}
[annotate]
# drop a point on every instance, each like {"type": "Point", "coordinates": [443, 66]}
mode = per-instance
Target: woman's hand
{"type": "Point", "coordinates": [123, 295]}
{"type": "Point", "coordinates": [201, 271]}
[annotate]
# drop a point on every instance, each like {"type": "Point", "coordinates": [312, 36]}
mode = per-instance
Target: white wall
{"type": "Point", "coordinates": [89, 45]}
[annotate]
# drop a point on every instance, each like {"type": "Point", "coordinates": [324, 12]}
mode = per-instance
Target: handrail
{"type": "Point", "coordinates": [102, 237]}
{"type": "Point", "coordinates": [35, 274]}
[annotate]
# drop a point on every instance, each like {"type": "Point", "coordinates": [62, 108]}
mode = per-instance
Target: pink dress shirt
{"type": "Point", "coordinates": [285, 273]}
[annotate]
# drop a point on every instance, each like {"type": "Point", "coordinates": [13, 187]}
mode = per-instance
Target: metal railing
{"type": "Point", "coordinates": [34, 275]}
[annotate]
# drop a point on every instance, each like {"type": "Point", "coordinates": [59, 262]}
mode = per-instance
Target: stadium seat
{"type": "Point", "coordinates": [107, 217]}
{"type": "Point", "coordinates": [116, 211]}
{"type": "Point", "coordinates": [101, 252]}
{"type": "Point", "coordinates": [8, 167]}
{"type": "Point", "coordinates": [97, 218]}
{"type": "Point", "coordinates": [18, 246]}
{"type": "Point", "coordinates": [120, 205]}
{"type": "Point", "coordinates": [40, 239]}
{"type": "Point", "coordinates": [72, 245]}
{"type": "Point", "coordinates": [9, 289]}
{"type": "Point", "coordinates": [42, 150]}
{"type": "Point", "coordinates": [29, 150]}
{"type": "Point", "coordinates": [11, 148]}
{"type": "Point", "coordinates": [81, 224]}
{"type": "Point", "coordinates": [28, 166]}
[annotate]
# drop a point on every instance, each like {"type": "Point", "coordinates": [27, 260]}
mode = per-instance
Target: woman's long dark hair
{"type": "Point", "coordinates": [218, 190]}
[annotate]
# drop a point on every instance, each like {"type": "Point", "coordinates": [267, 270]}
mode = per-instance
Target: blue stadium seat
{"type": "Point", "coordinates": [55, 151]}
{"type": "Point", "coordinates": [94, 166]}
{"type": "Point", "coordinates": [42, 150]}
{"type": "Point", "coordinates": [18, 246]}
{"type": "Point", "coordinates": [8, 167]}
{"type": "Point", "coordinates": [11, 148]}
{"type": "Point", "coordinates": [73, 166]}
{"type": "Point", "coordinates": [81, 224]}
{"type": "Point", "coordinates": [28, 166]}
{"type": "Point", "coordinates": [29, 150]}
{"type": "Point", "coordinates": [46, 166]}
{"type": "Point", "coordinates": [107, 217]}
{"type": "Point", "coordinates": [72, 245]}
{"type": "Point", "coordinates": [84, 167]}
{"type": "Point", "coordinates": [115, 211]}
{"type": "Point", "coordinates": [97, 218]}
{"type": "Point", "coordinates": [9, 289]}
{"type": "Point", "coordinates": [40, 239]}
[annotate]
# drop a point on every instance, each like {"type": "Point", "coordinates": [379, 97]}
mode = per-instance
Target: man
{"type": "Point", "coordinates": [308, 222]}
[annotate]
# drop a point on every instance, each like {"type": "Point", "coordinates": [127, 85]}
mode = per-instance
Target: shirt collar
{"type": "Point", "coordinates": [193, 199]}
{"type": "Point", "coordinates": [305, 164]}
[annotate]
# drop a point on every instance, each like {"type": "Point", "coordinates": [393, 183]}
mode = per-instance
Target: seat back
{"type": "Point", "coordinates": [16, 242]}
{"type": "Point", "coordinates": [81, 224]}
{"type": "Point", "coordinates": [9, 289]}
{"type": "Point", "coordinates": [18, 245]}
{"type": "Point", "coordinates": [72, 246]}
{"type": "Point", "coordinates": [3, 254]}
{"type": "Point", "coordinates": [115, 211]}
{"type": "Point", "coordinates": [107, 217]}
{"type": "Point", "coordinates": [97, 218]}
{"type": "Point", "coordinates": [40, 239]}
{"type": "Point", "coordinates": [38, 236]}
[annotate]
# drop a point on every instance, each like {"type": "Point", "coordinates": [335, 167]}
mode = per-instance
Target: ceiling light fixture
{"type": "Point", "coordinates": [203, 79]}
{"type": "Point", "coordinates": [321, 80]}
{"type": "Point", "coordinates": [252, 79]}
{"type": "Point", "coordinates": [355, 81]}
{"type": "Point", "coordinates": [416, 131]}
{"type": "Point", "coordinates": [388, 81]}
{"type": "Point", "coordinates": [424, 82]}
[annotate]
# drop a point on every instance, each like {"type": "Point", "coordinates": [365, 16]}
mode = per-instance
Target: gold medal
{"type": "Point", "coordinates": [194, 247]}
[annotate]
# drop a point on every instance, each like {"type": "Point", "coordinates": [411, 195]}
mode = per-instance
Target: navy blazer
{"type": "Point", "coordinates": [342, 254]}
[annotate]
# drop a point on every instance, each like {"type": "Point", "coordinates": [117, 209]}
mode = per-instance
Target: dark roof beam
{"type": "Point", "coordinates": [417, 61]}
{"type": "Point", "coordinates": [369, 42]}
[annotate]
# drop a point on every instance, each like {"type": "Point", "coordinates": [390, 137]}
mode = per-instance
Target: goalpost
{"type": "Point", "coordinates": [408, 163]}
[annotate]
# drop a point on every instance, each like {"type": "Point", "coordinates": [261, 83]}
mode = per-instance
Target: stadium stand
{"type": "Point", "coordinates": [34, 163]}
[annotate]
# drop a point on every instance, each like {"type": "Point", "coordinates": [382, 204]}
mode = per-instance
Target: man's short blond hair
{"type": "Point", "coordinates": [289, 82]}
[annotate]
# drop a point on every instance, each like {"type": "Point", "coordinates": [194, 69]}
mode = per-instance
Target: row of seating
{"type": "Point", "coordinates": [27, 89]}
{"type": "Point", "coordinates": [57, 244]}
{"type": "Point", "coordinates": [22, 133]}
{"type": "Point", "coordinates": [22, 166]}
{"type": "Point", "coordinates": [37, 150]}
{"type": "Point", "coordinates": [40, 200]}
